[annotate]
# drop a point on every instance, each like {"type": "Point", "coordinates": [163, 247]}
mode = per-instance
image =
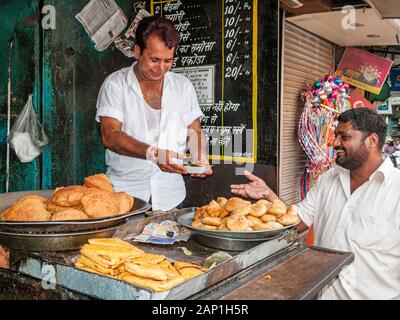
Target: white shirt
{"type": "Point", "coordinates": [153, 120]}
{"type": "Point", "coordinates": [366, 223]}
{"type": "Point", "coordinates": [121, 98]}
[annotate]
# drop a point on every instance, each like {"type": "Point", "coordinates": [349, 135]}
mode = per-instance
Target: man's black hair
{"type": "Point", "coordinates": [162, 27]}
{"type": "Point", "coordinates": [367, 121]}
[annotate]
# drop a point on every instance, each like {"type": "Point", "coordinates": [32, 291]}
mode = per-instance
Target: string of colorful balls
{"type": "Point", "coordinates": [324, 100]}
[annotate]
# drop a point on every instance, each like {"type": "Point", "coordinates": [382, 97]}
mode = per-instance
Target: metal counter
{"type": "Point", "coordinates": [228, 280]}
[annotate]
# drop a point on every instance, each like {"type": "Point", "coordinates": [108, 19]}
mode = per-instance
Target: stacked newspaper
{"type": "Point", "coordinates": [104, 21]}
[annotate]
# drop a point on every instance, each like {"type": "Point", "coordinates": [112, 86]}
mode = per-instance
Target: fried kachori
{"type": "Point", "coordinates": [100, 181]}
{"type": "Point", "coordinates": [28, 208]}
{"type": "Point", "coordinates": [69, 214]}
{"type": "Point", "coordinates": [69, 196]}
{"type": "Point", "coordinates": [125, 202]}
{"type": "Point", "coordinates": [99, 203]}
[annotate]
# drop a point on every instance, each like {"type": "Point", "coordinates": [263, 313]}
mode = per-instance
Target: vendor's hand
{"type": "Point", "coordinates": [256, 189]}
{"type": "Point", "coordinates": [166, 161]}
{"type": "Point", "coordinates": [206, 173]}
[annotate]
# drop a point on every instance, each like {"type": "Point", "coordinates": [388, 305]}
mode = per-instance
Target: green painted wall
{"type": "Point", "coordinates": [19, 21]}
{"type": "Point", "coordinates": [65, 72]}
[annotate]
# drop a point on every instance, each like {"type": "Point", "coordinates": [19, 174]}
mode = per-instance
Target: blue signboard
{"type": "Point", "coordinates": [395, 80]}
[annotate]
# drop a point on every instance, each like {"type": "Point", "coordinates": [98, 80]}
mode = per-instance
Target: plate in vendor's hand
{"type": "Point", "coordinates": [187, 219]}
{"type": "Point", "coordinates": [195, 168]}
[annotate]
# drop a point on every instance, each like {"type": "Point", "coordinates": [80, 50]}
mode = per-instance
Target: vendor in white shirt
{"type": "Point", "coordinates": [147, 114]}
{"type": "Point", "coordinates": [354, 207]}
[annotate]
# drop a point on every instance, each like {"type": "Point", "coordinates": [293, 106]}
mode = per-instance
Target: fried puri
{"type": "Point", "coordinates": [53, 208]}
{"type": "Point", "coordinates": [100, 181]}
{"type": "Point", "coordinates": [69, 196]}
{"type": "Point", "coordinates": [211, 221]}
{"type": "Point", "coordinates": [268, 217]}
{"type": "Point", "coordinates": [258, 210]}
{"type": "Point", "coordinates": [125, 202]}
{"type": "Point", "coordinates": [99, 203]}
{"type": "Point", "coordinates": [237, 223]}
{"type": "Point", "coordinates": [288, 220]}
{"type": "Point", "coordinates": [292, 210]}
{"type": "Point", "coordinates": [69, 214]}
{"type": "Point", "coordinates": [28, 208]}
{"type": "Point", "coordinates": [222, 201]}
{"type": "Point", "coordinates": [277, 207]}
{"type": "Point", "coordinates": [233, 203]}
{"type": "Point", "coordinates": [242, 210]}
{"type": "Point", "coordinates": [213, 209]}
{"type": "Point", "coordinates": [268, 226]}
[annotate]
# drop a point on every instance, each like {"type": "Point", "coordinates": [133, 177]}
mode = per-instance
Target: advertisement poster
{"type": "Point", "coordinates": [363, 70]}
{"type": "Point", "coordinates": [395, 80]}
{"type": "Point", "coordinates": [358, 100]}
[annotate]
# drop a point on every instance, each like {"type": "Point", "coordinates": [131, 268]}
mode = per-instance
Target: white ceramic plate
{"type": "Point", "coordinates": [195, 169]}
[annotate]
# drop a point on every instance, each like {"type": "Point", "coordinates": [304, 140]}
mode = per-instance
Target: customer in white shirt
{"type": "Point", "coordinates": [354, 207]}
{"type": "Point", "coordinates": [147, 114]}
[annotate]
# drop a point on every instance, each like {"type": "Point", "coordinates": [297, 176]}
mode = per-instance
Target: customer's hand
{"type": "Point", "coordinates": [166, 161]}
{"type": "Point", "coordinates": [256, 189]}
{"type": "Point", "coordinates": [4, 258]}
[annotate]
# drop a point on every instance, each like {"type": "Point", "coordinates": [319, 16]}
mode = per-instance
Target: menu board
{"type": "Point", "coordinates": [218, 53]}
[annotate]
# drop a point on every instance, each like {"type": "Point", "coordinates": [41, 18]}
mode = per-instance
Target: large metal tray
{"type": "Point", "coordinates": [40, 227]}
{"type": "Point", "coordinates": [187, 218]}
{"type": "Point", "coordinates": [55, 241]}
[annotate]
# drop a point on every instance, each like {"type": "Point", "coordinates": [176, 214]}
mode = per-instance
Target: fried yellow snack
{"type": "Point", "coordinates": [242, 210]}
{"type": "Point", "coordinates": [109, 256]}
{"type": "Point", "coordinates": [100, 181]}
{"type": "Point", "coordinates": [211, 221]}
{"type": "Point", "coordinates": [196, 223]}
{"type": "Point", "coordinates": [208, 227]}
{"type": "Point", "coordinates": [125, 202]}
{"type": "Point", "coordinates": [288, 220]}
{"type": "Point", "coordinates": [69, 214]}
{"type": "Point", "coordinates": [233, 203]}
{"type": "Point", "coordinates": [292, 210]}
{"type": "Point", "coordinates": [254, 220]}
{"type": "Point", "coordinates": [268, 226]}
{"type": "Point", "coordinates": [264, 202]}
{"type": "Point", "coordinates": [28, 208]}
{"type": "Point", "coordinates": [268, 217]}
{"type": "Point", "coordinates": [258, 210]}
{"type": "Point", "coordinates": [213, 209]}
{"type": "Point", "coordinates": [222, 201]}
{"type": "Point", "coordinates": [115, 243]}
{"type": "Point", "coordinates": [153, 284]}
{"type": "Point", "coordinates": [69, 196]}
{"type": "Point", "coordinates": [99, 203]}
{"type": "Point", "coordinates": [53, 208]}
{"type": "Point", "coordinates": [237, 223]}
{"type": "Point", "coordinates": [277, 207]}
{"type": "Point", "coordinates": [148, 258]}
{"type": "Point", "coordinates": [84, 263]}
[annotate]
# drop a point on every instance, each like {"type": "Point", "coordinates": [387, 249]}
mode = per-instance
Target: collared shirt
{"type": "Point", "coordinates": [366, 222]}
{"type": "Point", "coordinates": [121, 98]}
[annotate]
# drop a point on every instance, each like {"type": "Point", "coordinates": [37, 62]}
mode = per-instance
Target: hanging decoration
{"type": "Point", "coordinates": [324, 101]}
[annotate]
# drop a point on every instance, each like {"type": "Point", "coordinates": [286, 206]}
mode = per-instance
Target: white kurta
{"type": "Point", "coordinates": [121, 98]}
{"type": "Point", "coordinates": [366, 223]}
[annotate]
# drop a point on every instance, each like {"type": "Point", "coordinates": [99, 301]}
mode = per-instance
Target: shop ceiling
{"type": "Point", "coordinates": [377, 22]}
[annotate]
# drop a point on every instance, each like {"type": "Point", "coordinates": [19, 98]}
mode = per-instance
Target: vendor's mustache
{"type": "Point", "coordinates": [339, 149]}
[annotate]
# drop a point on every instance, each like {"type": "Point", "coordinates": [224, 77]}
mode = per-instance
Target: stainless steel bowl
{"type": "Point", "coordinates": [186, 221]}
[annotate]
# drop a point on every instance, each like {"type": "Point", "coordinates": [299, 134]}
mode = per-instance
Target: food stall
{"type": "Point", "coordinates": [273, 264]}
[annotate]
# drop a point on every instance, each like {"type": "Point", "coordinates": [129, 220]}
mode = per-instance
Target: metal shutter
{"type": "Point", "coordinates": [306, 57]}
